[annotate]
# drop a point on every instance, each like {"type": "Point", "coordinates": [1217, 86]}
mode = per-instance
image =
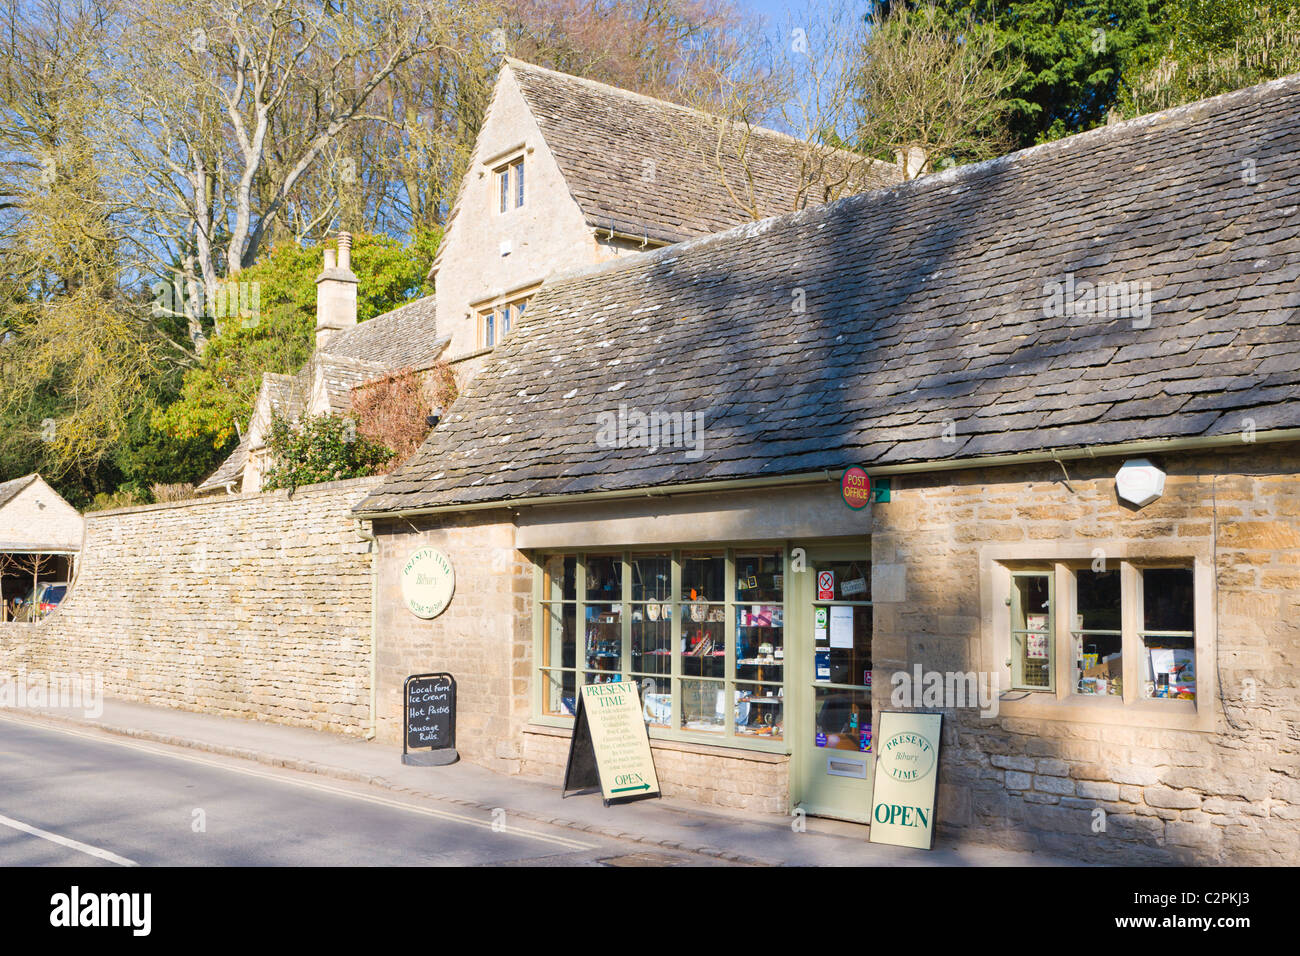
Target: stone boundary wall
{"type": "Point", "coordinates": [252, 606]}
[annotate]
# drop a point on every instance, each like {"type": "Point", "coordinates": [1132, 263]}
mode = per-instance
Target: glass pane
{"type": "Point", "coordinates": [760, 709]}
{"type": "Point", "coordinates": [519, 181]}
{"type": "Point", "coordinates": [559, 696]}
{"type": "Point", "coordinates": [760, 642]}
{"type": "Point", "coordinates": [1169, 668]}
{"type": "Point", "coordinates": [604, 647]}
{"type": "Point", "coordinates": [652, 649]}
{"type": "Point", "coordinates": [704, 706]}
{"type": "Point", "coordinates": [561, 577]}
{"type": "Point", "coordinates": [1098, 643]}
{"type": "Point", "coordinates": [505, 188]}
{"type": "Point", "coordinates": [704, 640]}
{"type": "Point", "coordinates": [704, 576]}
{"type": "Point", "coordinates": [657, 701]}
{"type": "Point", "coordinates": [843, 720]}
{"type": "Point", "coordinates": [604, 577]}
{"type": "Point", "coordinates": [759, 577]}
{"type": "Point", "coordinates": [842, 644]}
{"type": "Point", "coordinates": [559, 635]}
{"type": "Point", "coordinates": [652, 577]}
{"type": "Point", "coordinates": [1167, 603]}
{"type": "Point", "coordinates": [1031, 631]}
{"type": "Point", "coordinates": [1169, 661]}
{"type": "Point", "coordinates": [489, 337]}
{"type": "Point", "coordinates": [849, 580]}
{"type": "Point", "coordinates": [1097, 600]}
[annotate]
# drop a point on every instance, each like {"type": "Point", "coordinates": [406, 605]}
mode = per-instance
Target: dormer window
{"type": "Point", "coordinates": [510, 185]}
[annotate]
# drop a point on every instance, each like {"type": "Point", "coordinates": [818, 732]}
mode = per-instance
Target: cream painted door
{"type": "Point", "coordinates": [835, 758]}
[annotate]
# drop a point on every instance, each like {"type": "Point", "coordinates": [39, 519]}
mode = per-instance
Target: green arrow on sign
{"type": "Point", "coordinates": [644, 786]}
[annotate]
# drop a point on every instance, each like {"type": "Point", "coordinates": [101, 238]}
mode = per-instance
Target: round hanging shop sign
{"type": "Point", "coordinates": [855, 486]}
{"type": "Point", "coordinates": [428, 581]}
{"type": "Point", "coordinates": [907, 756]}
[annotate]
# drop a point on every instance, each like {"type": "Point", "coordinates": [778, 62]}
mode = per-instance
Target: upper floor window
{"type": "Point", "coordinates": [510, 185]}
{"type": "Point", "coordinates": [496, 322]}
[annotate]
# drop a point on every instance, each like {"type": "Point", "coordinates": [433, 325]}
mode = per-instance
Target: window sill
{"type": "Point", "coordinates": [1159, 714]}
{"type": "Point", "coordinates": [761, 751]}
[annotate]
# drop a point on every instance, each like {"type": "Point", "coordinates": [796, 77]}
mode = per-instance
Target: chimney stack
{"type": "Point", "coordinates": [336, 293]}
{"type": "Point", "coordinates": [913, 161]}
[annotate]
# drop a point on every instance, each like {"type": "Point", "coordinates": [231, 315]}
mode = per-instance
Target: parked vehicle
{"type": "Point", "coordinates": [41, 600]}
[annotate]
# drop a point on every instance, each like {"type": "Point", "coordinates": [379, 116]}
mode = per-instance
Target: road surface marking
{"type": "Point", "coordinates": [64, 841]}
{"type": "Point", "coordinates": [312, 785]}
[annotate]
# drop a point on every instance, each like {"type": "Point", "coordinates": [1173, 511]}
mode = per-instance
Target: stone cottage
{"type": "Point", "coordinates": [1073, 374]}
{"type": "Point", "coordinates": [565, 172]}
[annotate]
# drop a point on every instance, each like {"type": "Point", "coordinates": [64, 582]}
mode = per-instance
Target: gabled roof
{"type": "Point", "coordinates": [10, 489]}
{"type": "Point", "coordinates": [231, 470]}
{"type": "Point", "coordinates": [645, 167]}
{"type": "Point", "coordinates": [929, 313]}
{"type": "Point", "coordinates": [406, 337]}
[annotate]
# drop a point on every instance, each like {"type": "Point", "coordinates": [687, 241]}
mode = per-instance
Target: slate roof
{"type": "Point", "coordinates": [641, 165]}
{"type": "Point", "coordinates": [925, 313]}
{"type": "Point", "coordinates": [230, 470]}
{"type": "Point", "coordinates": [405, 337]}
{"type": "Point", "coordinates": [10, 489]}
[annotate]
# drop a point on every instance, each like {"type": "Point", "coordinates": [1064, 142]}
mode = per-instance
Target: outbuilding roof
{"type": "Point", "coordinates": [1138, 281]}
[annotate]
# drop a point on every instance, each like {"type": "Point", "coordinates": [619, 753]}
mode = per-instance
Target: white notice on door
{"type": "Point", "coordinates": [841, 626]}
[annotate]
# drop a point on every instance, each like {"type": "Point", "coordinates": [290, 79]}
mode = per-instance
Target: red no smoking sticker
{"type": "Point", "coordinates": [826, 585]}
{"type": "Point", "coordinates": [855, 487]}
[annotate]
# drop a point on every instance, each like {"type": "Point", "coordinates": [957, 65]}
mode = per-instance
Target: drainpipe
{"type": "Point", "coordinates": [369, 535]}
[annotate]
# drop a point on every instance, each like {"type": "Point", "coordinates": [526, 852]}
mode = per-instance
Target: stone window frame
{"type": "Point", "coordinates": [513, 198]}
{"type": "Point", "coordinates": [997, 562]}
{"type": "Point", "coordinates": [514, 299]}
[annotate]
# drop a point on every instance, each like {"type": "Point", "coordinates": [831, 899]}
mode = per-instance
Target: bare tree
{"type": "Point", "coordinates": [229, 104]}
{"type": "Point", "coordinates": [928, 88]}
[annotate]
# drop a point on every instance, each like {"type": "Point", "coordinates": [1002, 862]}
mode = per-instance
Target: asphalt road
{"type": "Point", "coordinates": [76, 798]}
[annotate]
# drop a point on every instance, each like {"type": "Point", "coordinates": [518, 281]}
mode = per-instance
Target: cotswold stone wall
{"type": "Point", "coordinates": [1226, 794]}
{"type": "Point", "coordinates": [483, 638]}
{"type": "Point", "coordinates": [254, 607]}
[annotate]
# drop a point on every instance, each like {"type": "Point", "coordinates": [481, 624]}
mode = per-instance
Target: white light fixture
{"type": "Point", "coordinates": [1139, 482]}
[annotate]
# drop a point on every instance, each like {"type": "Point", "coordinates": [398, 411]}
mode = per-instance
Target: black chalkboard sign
{"type": "Point", "coordinates": [430, 720]}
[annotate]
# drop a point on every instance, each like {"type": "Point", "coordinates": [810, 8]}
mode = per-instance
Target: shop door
{"type": "Point", "coordinates": [834, 753]}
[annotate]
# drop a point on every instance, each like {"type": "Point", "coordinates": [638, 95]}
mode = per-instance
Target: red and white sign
{"type": "Point", "coordinates": [855, 487]}
{"type": "Point", "coordinates": [826, 585]}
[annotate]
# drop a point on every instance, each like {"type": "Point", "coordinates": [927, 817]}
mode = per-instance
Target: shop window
{"type": "Point", "coordinates": [558, 655]}
{"type": "Point", "coordinates": [1168, 634]}
{"type": "Point", "coordinates": [669, 621]}
{"type": "Point", "coordinates": [1031, 631]}
{"type": "Point", "coordinates": [1097, 635]}
{"type": "Point", "coordinates": [1129, 621]}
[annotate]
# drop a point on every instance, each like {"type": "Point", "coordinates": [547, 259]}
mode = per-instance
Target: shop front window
{"type": "Point", "coordinates": [1132, 615]}
{"type": "Point", "coordinates": [1097, 635]}
{"type": "Point", "coordinates": [1168, 634]}
{"type": "Point", "coordinates": [700, 632]}
{"type": "Point", "coordinates": [1031, 631]}
{"type": "Point", "coordinates": [558, 656]}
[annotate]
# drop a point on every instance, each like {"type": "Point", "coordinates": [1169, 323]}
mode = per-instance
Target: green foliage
{"type": "Point", "coordinates": [1208, 47]}
{"type": "Point", "coordinates": [1074, 55]}
{"type": "Point", "coordinates": [321, 448]}
{"type": "Point", "coordinates": [221, 390]}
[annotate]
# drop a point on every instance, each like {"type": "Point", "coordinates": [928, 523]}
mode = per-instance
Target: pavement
{"type": "Point", "coordinates": [650, 832]}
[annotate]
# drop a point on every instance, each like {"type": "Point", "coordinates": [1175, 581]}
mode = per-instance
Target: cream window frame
{"type": "Point", "coordinates": [999, 562]}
